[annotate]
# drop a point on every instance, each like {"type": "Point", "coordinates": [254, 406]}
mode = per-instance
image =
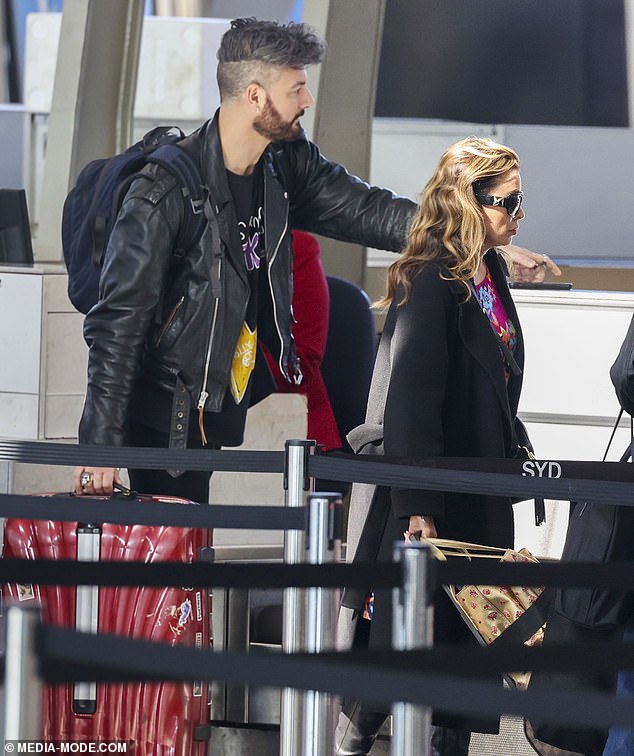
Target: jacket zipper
{"type": "Point", "coordinates": [204, 394]}
{"type": "Point", "coordinates": [297, 379]}
{"type": "Point", "coordinates": [170, 319]}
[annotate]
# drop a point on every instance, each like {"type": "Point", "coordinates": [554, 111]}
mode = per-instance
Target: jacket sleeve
{"type": "Point", "coordinates": [327, 200]}
{"type": "Point", "coordinates": [311, 303]}
{"type": "Point", "coordinates": [131, 285]}
{"type": "Point", "coordinates": [416, 394]}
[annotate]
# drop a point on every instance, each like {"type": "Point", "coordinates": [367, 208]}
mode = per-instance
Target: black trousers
{"type": "Point", "coordinates": [192, 484]}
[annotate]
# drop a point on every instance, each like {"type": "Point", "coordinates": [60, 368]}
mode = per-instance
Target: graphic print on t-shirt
{"type": "Point", "coordinates": [243, 362]}
{"type": "Point", "coordinates": [250, 236]}
{"type": "Point", "coordinates": [252, 240]}
{"type": "Point", "coordinates": [491, 303]}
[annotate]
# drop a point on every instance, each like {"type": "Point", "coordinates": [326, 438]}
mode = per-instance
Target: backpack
{"type": "Point", "coordinates": [622, 372]}
{"type": "Point", "coordinates": [91, 207]}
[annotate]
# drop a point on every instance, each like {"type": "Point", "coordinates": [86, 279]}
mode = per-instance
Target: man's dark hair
{"type": "Point", "coordinates": [251, 48]}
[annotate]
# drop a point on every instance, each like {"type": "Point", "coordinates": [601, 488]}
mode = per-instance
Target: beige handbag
{"type": "Point", "coordinates": [489, 610]}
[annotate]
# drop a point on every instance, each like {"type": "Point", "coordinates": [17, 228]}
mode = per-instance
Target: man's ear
{"type": "Point", "coordinates": [255, 96]}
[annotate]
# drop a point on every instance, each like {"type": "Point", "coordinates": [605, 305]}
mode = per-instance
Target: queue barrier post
{"type": "Point", "coordinates": [22, 685]}
{"type": "Point", "coordinates": [297, 484]}
{"type": "Point", "coordinates": [412, 628]}
{"type": "Point", "coordinates": [324, 545]}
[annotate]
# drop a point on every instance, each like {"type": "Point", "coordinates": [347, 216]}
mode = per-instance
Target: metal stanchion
{"type": "Point", "coordinates": [324, 545]}
{"type": "Point", "coordinates": [296, 485]}
{"type": "Point", "coordinates": [22, 686]}
{"type": "Point", "coordinates": [412, 628]}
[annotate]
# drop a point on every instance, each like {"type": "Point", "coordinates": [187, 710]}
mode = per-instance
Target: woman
{"type": "Point", "coordinates": [446, 383]}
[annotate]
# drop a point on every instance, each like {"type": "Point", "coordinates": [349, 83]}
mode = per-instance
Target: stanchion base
{"type": "Point", "coordinates": [244, 741]}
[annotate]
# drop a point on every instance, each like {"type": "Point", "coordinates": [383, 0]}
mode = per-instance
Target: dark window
{"type": "Point", "coordinates": [505, 61]}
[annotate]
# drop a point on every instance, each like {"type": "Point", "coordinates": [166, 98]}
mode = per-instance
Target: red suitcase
{"type": "Point", "coordinates": [156, 719]}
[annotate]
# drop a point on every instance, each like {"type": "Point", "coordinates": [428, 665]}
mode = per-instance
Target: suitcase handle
{"type": "Point", "coordinates": [87, 610]}
{"type": "Point", "coordinates": [121, 492]}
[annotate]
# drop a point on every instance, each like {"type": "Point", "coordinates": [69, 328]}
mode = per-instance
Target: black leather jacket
{"type": "Point", "coordinates": [178, 317]}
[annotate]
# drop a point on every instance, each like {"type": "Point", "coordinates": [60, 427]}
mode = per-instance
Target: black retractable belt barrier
{"type": "Point", "coordinates": [279, 575]}
{"type": "Point", "coordinates": [555, 574]}
{"type": "Point", "coordinates": [198, 574]}
{"type": "Point", "coordinates": [146, 458]}
{"type": "Point", "coordinates": [606, 482]}
{"type": "Point", "coordinates": [458, 661]}
{"type": "Point", "coordinates": [125, 512]}
{"type": "Point", "coordinates": [64, 653]}
{"type": "Point", "coordinates": [465, 661]}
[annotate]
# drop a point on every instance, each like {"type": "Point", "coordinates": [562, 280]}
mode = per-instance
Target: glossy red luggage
{"type": "Point", "coordinates": [156, 719]}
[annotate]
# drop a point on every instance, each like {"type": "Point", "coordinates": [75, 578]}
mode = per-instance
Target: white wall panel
{"type": "Point", "coordinates": [568, 400]}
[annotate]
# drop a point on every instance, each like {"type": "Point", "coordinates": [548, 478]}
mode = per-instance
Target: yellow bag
{"type": "Point", "coordinates": [489, 610]}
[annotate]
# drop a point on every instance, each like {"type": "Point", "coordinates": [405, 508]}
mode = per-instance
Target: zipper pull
{"type": "Point", "coordinates": [201, 410]}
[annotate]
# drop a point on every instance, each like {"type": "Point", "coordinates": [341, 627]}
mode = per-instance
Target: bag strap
{"type": "Point", "coordinates": [158, 134]}
{"type": "Point", "coordinates": [627, 454]}
{"type": "Point", "coordinates": [616, 425]}
{"type": "Point", "coordinates": [447, 546]}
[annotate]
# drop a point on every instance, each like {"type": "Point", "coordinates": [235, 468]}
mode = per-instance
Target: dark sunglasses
{"type": "Point", "coordinates": [511, 203]}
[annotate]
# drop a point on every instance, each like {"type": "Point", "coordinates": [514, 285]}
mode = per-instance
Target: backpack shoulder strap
{"type": "Point", "coordinates": [178, 162]}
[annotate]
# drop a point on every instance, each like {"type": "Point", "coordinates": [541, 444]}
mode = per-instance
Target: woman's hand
{"type": "Point", "coordinates": [95, 481]}
{"type": "Point", "coordinates": [421, 526]}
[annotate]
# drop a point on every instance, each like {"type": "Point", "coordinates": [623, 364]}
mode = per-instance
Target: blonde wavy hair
{"type": "Point", "coordinates": [449, 225]}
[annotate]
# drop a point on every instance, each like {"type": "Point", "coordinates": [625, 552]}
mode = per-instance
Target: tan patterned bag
{"type": "Point", "coordinates": [489, 610]}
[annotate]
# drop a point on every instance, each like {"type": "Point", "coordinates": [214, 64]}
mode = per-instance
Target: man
{"type": "Point", "coordinates": [171, 329]}
{"type": "Point", "coordinates": [173, 338]}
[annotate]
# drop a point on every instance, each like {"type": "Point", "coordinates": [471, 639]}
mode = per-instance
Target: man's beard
{"type": "Point", "coordinates": [270, 124]}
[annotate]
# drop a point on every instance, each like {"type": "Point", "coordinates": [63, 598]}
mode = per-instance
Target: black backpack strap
{"type": "Point", "coordinates": [216, 246]}
{"type": "Point", "coordinates": [158, 135]}
{"type": "Point", "coordinates": [174, 159]}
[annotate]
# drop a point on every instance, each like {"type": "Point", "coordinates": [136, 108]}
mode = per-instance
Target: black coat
{"type": "Point", "coordinates": [439, 389]}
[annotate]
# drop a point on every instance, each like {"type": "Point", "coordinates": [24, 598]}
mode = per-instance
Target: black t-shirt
{"type": "Point", "coordinates": [227, 426]}
{"type": "Point", "coordinates": [152, 406]}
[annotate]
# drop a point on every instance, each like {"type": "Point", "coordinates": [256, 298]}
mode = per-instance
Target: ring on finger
{"type": "Point", "coordinates": [85, 479]}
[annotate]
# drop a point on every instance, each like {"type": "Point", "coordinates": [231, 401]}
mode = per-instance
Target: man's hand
{"type": "Point", "coordinates": [95, 481]}
{"type": "Point", "coordinates": [529, 267]}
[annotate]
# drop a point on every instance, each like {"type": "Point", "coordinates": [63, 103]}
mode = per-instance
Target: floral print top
{"type": "Point", "coordinates": [491, 303]}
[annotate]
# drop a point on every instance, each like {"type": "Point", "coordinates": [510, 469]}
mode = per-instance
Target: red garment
{"type": "Point", "coordinates": [311, 305]}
